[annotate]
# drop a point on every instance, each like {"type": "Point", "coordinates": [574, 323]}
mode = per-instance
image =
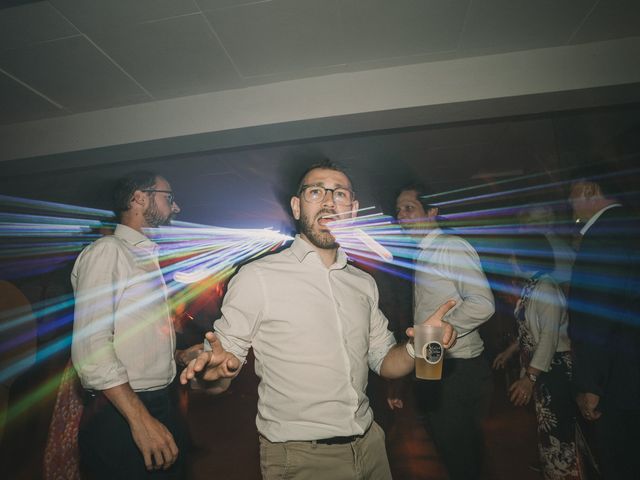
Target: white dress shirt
{"type": "Point", "coordinates": [122, 329]}
{"type": "Point", "coordinates": [315, 332]}
{"type": "Point", "coordinates": [447, 268]}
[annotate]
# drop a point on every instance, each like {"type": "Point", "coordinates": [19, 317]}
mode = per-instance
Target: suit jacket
{"type": "Point", "coordinates": [604, 311]}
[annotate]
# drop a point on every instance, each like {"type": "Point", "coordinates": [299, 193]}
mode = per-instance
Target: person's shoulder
{"type": "Point", "coordinates": [546, 286]}
{"type": "Point", "coordinates": [266, 262]}
{"type": "Point", "coordinates": [358, 272]}
{"type": "Point", "coordinates": [547, 282]}
{"type": "Point", "coordinates": [615, 225]}
{"type": "Point", "coordinates": [449, 241]}
{"type": "Point", "coordinates": [104, 245]}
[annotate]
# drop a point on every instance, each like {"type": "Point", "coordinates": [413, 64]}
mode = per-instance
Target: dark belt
{"type": "Point", "coordinates": [328, 441]}
{"type": "Point", "coordinates": [338, 440]}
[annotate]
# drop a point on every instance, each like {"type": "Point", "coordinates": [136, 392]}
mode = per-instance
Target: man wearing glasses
{"type": "Point", "coordinates": [124, 343]}
{"type": "Point", "coordinates": [315, 327]}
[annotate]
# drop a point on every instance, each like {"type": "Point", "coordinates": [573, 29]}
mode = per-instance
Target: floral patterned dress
{"type": "Point", "coordinates": [554, 405]}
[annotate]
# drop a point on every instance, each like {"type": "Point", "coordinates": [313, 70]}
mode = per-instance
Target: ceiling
{"type": "Point", "coordinates": [64, 57]}
{"type": "Point", "coordinates": [226, 96]}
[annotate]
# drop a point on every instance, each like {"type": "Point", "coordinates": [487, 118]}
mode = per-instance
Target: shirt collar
{"type": "Point", "coordinates": [134, 237]}
{"type": "Point", "coordinates": [301, 248]}
{"type": "Point", "coordinates": [431, 236]}
{"type": "Point", "coordinates": [596, 216]}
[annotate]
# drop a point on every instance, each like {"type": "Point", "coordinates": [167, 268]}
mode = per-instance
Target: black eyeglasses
{"type": "Point", "coordinates": [170, 196]}
{"type": "Point", "coordinates": [316, 193]}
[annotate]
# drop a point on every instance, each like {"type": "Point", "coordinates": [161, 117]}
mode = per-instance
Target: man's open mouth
{"type": "Point", "coordinates": [326, 218]}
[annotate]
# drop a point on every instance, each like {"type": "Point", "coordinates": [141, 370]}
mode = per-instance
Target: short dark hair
{"type": "Point", "coordinates": [423, 194]}
{"type": "Point", "coordinates": [602, 173]}
{"type": "Point", "coordinates": [127, 186]}
{"type": "Point", "coordinates": [533, 253]}
{"type": "Point", "coordinates": [325, 164]}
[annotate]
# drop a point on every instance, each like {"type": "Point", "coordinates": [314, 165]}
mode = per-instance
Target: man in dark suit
{"type": "Point", "coordinates": [604, 304]}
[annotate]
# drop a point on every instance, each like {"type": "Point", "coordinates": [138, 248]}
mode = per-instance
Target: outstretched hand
{"type": "Point", "coordinates": [211, 365]}
{"type": "Point", "coordinates": [450, 335]}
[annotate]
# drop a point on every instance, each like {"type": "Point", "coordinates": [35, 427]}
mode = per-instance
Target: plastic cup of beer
{"type": "Point", "coordinates": [429, 352]}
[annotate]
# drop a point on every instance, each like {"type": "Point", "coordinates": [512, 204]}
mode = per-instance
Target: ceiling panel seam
{"type": "Point", "coordinates": [33, 90]}
{"type": "Point", "coordinates": [106, 55]}
{"type": "Point", "coordinates": [582, 22]}
{"type": "Point", "coordinates": [222, 46]}
{"type": "Point", "coordinates": [464, 25]}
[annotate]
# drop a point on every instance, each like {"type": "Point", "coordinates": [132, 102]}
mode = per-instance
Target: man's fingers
{"type": "Point", "coordinates": [436, 318]}
{"type": "Point", "coordinates": [195, 366]}
{"type": "Point", "coordinates": [148, 461]}
{"type": "Point", "coordinates": [201, 361]}
{"type": "Point", "coordinates": [409, 332]}
{"type": "Point", "coordinates": [450, 335]}
{"type": "Point", "coordinates": [216, 346]}
{"type": "Point", "coordinates": [233, 364]}
{"type": "Point", "coordinates": [174, 451]}
{"type": "Point", "coordinates": [159, 460]}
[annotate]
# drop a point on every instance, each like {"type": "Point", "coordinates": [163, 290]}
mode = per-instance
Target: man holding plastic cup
{"type": "Point", "coordinates": [448, 267]}
{"type": "Point", "coordinates": [314, 324]}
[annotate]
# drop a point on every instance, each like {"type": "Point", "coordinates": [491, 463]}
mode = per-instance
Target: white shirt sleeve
{"type": "Point", "coordinates": [99, 278]}
{"type": "Point", "coordinates": [475, 305]}
{"type": "Point", "coordinates": [381, 340]}
{"type": "Point", "coordinates": [242, 309]}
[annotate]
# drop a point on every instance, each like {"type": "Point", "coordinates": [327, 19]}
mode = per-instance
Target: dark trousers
{"type": "Point", "coordinates": [107, 449]}
{"type": "Point", "coordinates": [453, 410]}
{"type": "Point", "coordinates": [617, 435]}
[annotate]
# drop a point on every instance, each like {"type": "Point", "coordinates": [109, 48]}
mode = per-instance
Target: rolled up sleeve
{"type": "Point", "coordinates": [99, 277]}
{"type": "Point", "coordinates": [242, 309]}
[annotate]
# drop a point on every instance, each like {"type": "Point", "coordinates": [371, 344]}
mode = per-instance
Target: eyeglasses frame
{"type": "Point", "coordinates": [332, 190]}
{"type": "Point", "coordinates": [170, 195]}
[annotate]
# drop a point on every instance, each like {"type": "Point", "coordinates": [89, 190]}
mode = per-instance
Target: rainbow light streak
{"type": "Point", "coordinates": [52, 237]}
{"type": "Point", "coordinates": [502, 193]}
{"type": "Point", "coordinates": [202, 255]}
{"type": "Point", "coordinates": [205, 252]}
{"type": "Point", "coordinates": [244, 245]}
{"type": "Point", "coordinates": [404, 250]}
{"type": "Point", "coordinates": [39, 310]}
{"type": "Point", "coordinates": [44, 206]}
{"type": "Point", "coordinates": [520, 190]}
{"type": "Point", "coordinates": [38, 394]}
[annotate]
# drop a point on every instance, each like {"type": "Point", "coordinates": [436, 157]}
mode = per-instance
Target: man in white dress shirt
{"type": "Point", "coordinates": [315, 327]}
{"type": "Point", "coordinates": [123, 341]}
{"type": "Point", "coordinates": [447, 267]}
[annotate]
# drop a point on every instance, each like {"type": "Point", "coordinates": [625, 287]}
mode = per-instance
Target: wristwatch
{"type": "Point", "coordinates": [532, 376]}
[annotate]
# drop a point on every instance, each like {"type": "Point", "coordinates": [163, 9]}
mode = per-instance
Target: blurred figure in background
{"type": "Point", "coordinates": [449, 267]}
{"type": "Point", "coordinates": [604, 319]}
{"type": "Point", "coordinates": [541, 219]}
{"type": "Point", "coordinates": [545, 357]}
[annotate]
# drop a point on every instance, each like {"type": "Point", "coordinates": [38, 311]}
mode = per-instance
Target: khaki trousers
{"type": "Point", "coordinates": [363, 459]}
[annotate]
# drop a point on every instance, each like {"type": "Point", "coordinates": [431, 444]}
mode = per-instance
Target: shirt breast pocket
{"type": "Point", "coordinates": [356, 317]}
